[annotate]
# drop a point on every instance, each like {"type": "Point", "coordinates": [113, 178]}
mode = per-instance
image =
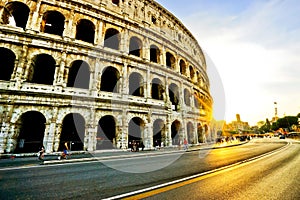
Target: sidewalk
{"type": "Point", "coordinates": [21, 160]}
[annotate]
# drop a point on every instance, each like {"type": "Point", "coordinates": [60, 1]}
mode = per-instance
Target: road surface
{"type": "Point", "coordinates": [98, 180]}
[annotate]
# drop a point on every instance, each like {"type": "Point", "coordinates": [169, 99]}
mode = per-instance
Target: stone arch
{"type": "Point", "coordinates": [190, 133]}
{"type": "Point", "coordinates": [182, 65]}
{"type": "Point", "coordinates": [73, 132]}
{"type": "Point", "coordinates": [157, 89]}
{"type": "Point", "coordinates": [110, 80]}
{"type": "Point", "coordinates": [174, 96]}
{"type": "Point", "coordinates": [192, 73]}
{"type": "Point", "coordinates": [85, 31]}
{"type": "Point", "coordinates": [106, 133]}
{"type": "Point", "coordinates": [170, 60]}
{"type": "Point", "coordinates": [115, 2]}
{"type": "Point", "coordinates": [112, 38]}
{"type": "Point", "coordinates": [154, 54]}
{"type": "Point", "coordinates": [196, 100]}
{"type": "Point", "coordinates": [136, 84]}
{"type": "Point", "coordinates": [187, 97]}
{"type": "Point", "coordinates": [175, 132]}
{"type": "Point", "coordinates": [15, 14]}
{"type": "Point", "coordinates": [42, 69]}
{"type": "Point", "coordinates": [7, 64]}
{"type": "Point", "coordinates": [79, 75]}
{"type": "Point", "coordinates": [159, 136]}
{"type": "Point", "coordinates": [136, 128]}
{"type": "Point", "coordinates": [53, 22]}
{"type": "Point", "coordinates": [31, 128]}
{"type": "Point", "coordinates": [200, 133]}
{"type": "Point", "coordinates": [135, 46]}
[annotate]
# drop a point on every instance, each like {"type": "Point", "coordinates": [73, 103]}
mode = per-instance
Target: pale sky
{"type": "Point", "coordinates": [254, 46]}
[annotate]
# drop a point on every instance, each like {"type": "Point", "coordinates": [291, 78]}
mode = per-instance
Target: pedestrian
{"type": "Point", "coordinates": [41, 153]}
{"type": "Point", "coordinates": [142, 145]}
{"type": "Point", "coordinates": [185, 144]}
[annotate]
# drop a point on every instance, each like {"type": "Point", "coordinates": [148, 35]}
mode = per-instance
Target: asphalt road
{"type": "Point", "coordinates": [274, 177]}
{"type": "Point", "coordinates": [97, 180]}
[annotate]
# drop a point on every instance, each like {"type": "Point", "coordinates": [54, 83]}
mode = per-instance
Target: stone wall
{"type": "Point", "coordinates": [82, 57]}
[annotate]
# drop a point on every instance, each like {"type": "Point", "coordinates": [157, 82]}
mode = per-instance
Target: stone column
{"type": "Point", "coordinates": [163, 56]}
{"type": "Point", "coordinates": [20, 65]}
{"type": "Point", "coordinates": [13, 134]}
{"type": "Point", "coordinates": [149, 137]}
{"type": "Point", "coordinates": [168, 131]}
{"type": "Point", "coordinates": [125, 80]}
{"type": "Point", "coordinates": [69, 26]}
{"type": "Point", "coordinates": [124, 42]}
{"type": "Point", "coordinates": [148, 85]}
{"type": "Point", "coordinates": [33, 19]}
{"type": "Point", "coordinates": [90, 137]}
{"type": "Point", "coordinates": [124, 135]}
{"type": "Point", "coordinates": [59, 71]}
{"type": "Point", "coordinates": [99, 34]}
{"type": "Point", "coordinates": [57, 136]}
{"type": "Point", "coordinates": [96, 81]}
{"type": "Point", "coordinates": [46, 135]}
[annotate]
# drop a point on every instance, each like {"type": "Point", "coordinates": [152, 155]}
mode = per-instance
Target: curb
{"type": "Point", "coordinates": [49, 162]}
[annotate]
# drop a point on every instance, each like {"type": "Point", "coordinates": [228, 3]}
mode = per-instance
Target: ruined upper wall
{"type": "Point", "coordinates": [152, 16]}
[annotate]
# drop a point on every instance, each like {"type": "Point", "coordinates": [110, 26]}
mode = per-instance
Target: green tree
{"type": "Point", "coordinates": [287, 122]}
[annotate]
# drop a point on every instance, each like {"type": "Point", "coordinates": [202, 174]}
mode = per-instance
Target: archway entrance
{"type": "Point", "coordinates": [158, 135]}
{"type": "Point", "coordinates": [135, 130]}
{"type": "Point", "coordinates": [73, 131]}
{"type": "Point", "coordinates": [175, 128]}
{"type": "Point", "coordinates": [32, 128]}
{"type": "Point", "coordinates": [190, 134]}
{"type": "Point", "coordinates": [200, 133]}
{"type": "Point", "coordinates": [106, 133]}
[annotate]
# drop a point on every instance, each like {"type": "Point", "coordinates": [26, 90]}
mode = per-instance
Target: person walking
{"type": "Point", "coordinates": [185, 144]}
{"type": "Point", "coordinates": [41, 153]}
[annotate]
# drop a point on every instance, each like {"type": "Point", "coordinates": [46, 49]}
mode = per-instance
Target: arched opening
{"type": "Point", "coordinates": [157, 89]}
{"type": "Point", "coordinates": [106, 133]}
{"type": "Point", "coordinates": [198, 77]}
{"type": "Point", "coordinates": [116, 2]}
{"type": "Point", "coordinates": [182, 67]}
{"type": "Point", "coordinates": [190, 133]}
{"type": "Point", "coordinates": [85, 31]}
{"type": "Point", "coordinates": [196, 100]}
{"type": "Point", "coordinates": [112, 39]}
{"type": "Point", "coordinates": [170, 60]}
{"type": "Point", "coordinates": [187, 97]}
{"type": "Point", "coordinates": [53, 22]}
{"type": "Point", "coordinates": [42, 70]}
{"type": "Point", "coordinates": [158, 133]}
{"type": "Point", "coordinates": [7, 64]}
{"type": "Point", "coordinates": [192, 73]}
{"type": "Point", "coordinates": [109, 80]}
{"type": "Point", "coordinates": [200, 133]}
{"type": "Point", "coordinates": [79, 75]}
{"type": "Point", "coordinates": [31, 135]}
{"type": "Point", "coordinates": [174, 96]}
{"type": "Point", "coordinates": [73, 132]}
{"type": "Point", "coordinates": [135, 131]}
{"type": "Point", "coordinates": [136, 82]}
{"type": "Point", "coordinates": [154, 54]}
{"type": "Point", "coordinates": [15, 14]}
{"type": "Point", "coordinates": [135, 47]}
{"type": "Point", "coordinates": [175, 132]}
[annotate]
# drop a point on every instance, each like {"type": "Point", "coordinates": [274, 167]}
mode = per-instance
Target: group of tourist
{"type": "Point", "coordinates": [136, 145]}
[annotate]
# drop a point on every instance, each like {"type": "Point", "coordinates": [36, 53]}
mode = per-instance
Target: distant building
{"type": "Point", "coordinates": [237, 125]}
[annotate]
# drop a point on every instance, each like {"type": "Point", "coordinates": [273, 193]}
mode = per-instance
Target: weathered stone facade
{"type": "Point", "coordinates": [98, 74]}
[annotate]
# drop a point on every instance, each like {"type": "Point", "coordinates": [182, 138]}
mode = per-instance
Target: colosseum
{"type": "Point", "coordinates": [99, 74]}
